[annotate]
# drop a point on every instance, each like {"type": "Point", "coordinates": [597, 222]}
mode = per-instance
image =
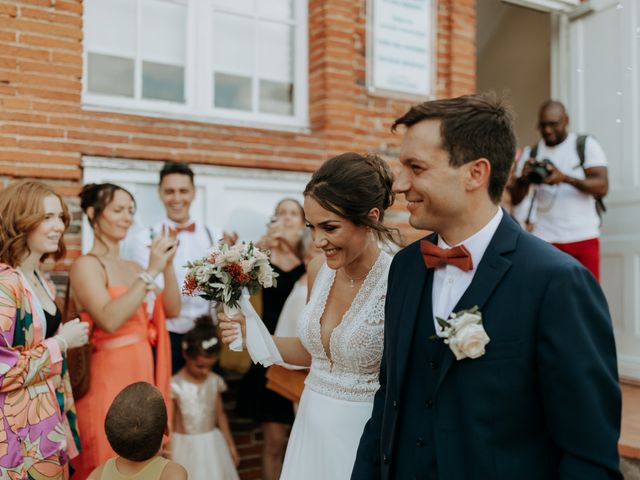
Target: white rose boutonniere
{"type": "Point", "coordinates": [464, 333]}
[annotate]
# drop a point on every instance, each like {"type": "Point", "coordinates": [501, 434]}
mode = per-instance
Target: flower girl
{"type": "Point", "coordinates": [201, 440]}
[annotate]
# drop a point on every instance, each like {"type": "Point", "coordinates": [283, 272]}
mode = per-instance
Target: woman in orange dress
{"type": "Point", "coordinates": [119, 298]}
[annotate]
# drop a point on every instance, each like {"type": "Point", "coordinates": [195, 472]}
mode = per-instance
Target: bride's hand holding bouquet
{"type": "Point", "coordinates": [229, 275]}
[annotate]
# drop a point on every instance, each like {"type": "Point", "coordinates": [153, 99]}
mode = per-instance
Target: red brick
{"type": "Point", "coordinates": [8, 10]}
{"type": "Point", "coordinates": [31, 131]}
{"type": "Point", "coordinates": [51, 17]}
{"type": "Point", "coordinates": [7, 36]}
{"type": "Point", "coordinates": [52, 69]}
{"type": "Point", "coordinates": [67, 58]}
{"type": "Point", "coordinates": [74, 7]}
{"type": "Point", "coordinates": [51, 43]}
{"type": "Point", "coordinates": [8, 62]}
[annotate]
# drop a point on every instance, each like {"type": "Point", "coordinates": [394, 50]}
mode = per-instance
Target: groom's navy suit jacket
{"type": "Point", "coordinates": [543, 402]}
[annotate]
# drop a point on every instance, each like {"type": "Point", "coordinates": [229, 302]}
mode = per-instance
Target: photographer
{"type": "Point", "coordinates": [557, 184]}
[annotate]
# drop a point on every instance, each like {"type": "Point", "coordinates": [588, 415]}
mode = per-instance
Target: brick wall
{"type": "Point", "coordinates": [44, 131]}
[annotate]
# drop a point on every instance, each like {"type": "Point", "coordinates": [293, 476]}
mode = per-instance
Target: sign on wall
{"type": "Point", "coordinates": [400, 53]}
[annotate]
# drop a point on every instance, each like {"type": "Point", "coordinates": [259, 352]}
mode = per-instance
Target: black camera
{"type": "Point", "coordinates": [539, 170]}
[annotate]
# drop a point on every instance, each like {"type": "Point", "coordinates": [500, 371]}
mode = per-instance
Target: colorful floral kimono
{"type": "Point", "coordinates": [37, 416]}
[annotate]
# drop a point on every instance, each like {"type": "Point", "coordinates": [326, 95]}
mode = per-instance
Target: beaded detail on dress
{"type": "Point", "coordinates": [356, 342]}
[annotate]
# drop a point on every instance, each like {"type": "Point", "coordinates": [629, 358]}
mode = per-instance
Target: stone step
{"type": "Point", "coordinates": [629, 445]}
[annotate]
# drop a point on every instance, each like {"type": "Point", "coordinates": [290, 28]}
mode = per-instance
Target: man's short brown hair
{"type": "Point", "coordinates": [136, 422]}
{"type": "Point", "coordinates": [472, 127]}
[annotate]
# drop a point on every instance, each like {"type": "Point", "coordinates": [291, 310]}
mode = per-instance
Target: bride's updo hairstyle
{"type": "Point", "coordinates": [350, 185]}
{"type": "Point", "coordinates": [98, 196]}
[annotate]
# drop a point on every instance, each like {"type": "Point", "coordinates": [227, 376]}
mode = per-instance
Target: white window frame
{"type": "Point", "coordinates": [198, 104]}
{"type": "Point", "coordinates": [557, 6]}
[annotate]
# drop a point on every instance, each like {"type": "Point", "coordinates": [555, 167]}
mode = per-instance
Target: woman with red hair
{"type": "Point", "coordinates": [37, 417]}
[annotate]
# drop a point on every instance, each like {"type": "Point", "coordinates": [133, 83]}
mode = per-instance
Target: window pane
{"type": "Point", "coordinates": [280, 9]}
{"type": "Point", "coordinates": [276, 97]}
{"type": "Point", "coordinates": [162, 82]}
{"type": "Point", "coordinates": [164, 32]}
{"type": "Point", "coordinates": [109, 74]}
{"type": "Point", "coordinates": [275, 51]}
{"type": "Point", "coordinates": [232, 91]}
{"type": "Point", "coordinates": [233, 44]}
{"type": "Point", "coordinates": [111, 26]}
{"type": "Point", "coordinates": [241, 6]}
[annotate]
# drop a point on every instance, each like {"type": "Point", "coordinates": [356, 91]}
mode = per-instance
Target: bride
{"type": "Point", "coordinates": [341, 329]}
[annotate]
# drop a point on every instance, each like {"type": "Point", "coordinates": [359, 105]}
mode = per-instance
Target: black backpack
{"type": "Point", "coordinates": [581, 141]}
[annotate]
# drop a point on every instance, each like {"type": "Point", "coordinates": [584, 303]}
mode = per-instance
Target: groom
{"type": "Point", "coordinates": [541, 399]}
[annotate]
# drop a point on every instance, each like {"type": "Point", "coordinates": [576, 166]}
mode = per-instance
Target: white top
{"type": "Point", "coordinates": [291, 312]}
{"type": "Point", "coordinates": [449, 282]}
{"type": "Point", "coordinates": [192, 246]}
{"type": "Point", "coordinates": [562, 213]}
{"type": "Point", "coordinates": [356, 342]}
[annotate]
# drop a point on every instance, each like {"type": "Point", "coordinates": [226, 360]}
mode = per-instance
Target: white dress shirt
{"type": "Point", "coordinates": [193, 245]}
{"type": "Point", "coordinates": [449, 282]}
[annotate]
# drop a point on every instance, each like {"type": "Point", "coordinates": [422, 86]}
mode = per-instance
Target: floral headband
{"type": "Point", "coordinates": [206, 344]}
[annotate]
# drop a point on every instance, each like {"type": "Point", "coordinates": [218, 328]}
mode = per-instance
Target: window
{"type": "Point", "coordinates": [238, 60]}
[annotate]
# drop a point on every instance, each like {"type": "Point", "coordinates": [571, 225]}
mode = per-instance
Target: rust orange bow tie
{"type": "Point", "coordinates": [435, 257]}
{"type": "Point", "coordinates": [187, 228]}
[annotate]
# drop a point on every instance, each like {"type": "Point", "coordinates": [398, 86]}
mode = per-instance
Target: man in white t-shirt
{"type": "Point", "coordinates": [177, 191]}
{"type": "Point", "coordinates": [556, 200]}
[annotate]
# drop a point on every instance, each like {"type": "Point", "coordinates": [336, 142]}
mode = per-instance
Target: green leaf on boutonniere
{"type": "Point", "coordinates": [443, 323]}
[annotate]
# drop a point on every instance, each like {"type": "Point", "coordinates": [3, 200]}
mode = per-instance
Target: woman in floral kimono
{"type": "Point", "coordinates": [37, 417]}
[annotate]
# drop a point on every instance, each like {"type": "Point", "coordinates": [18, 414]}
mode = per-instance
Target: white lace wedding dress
{"type": "Point", "coordinates": [338, 395]}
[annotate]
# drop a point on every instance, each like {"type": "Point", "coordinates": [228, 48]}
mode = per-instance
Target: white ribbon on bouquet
{"type": "Point", "coordinates": [260, 344]}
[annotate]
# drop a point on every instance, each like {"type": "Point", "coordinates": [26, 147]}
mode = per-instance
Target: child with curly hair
{"type": "Point", "coordinates": [201, 440]}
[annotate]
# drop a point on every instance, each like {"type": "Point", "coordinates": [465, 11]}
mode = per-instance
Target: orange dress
{"type": "Point", "coordinates": [117, 360]}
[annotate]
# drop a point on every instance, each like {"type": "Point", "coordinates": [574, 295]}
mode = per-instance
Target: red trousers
{"type": "Point", "coordinates": [587, 252]}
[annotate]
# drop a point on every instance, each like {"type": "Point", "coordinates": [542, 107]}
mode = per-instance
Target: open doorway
{"type": "Point", "coordinates": [514, 56]}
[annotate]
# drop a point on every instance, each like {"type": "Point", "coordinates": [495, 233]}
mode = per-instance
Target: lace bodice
{"type": "Point", "coordinates": [196, 403]}
{"type": "Point", "coordinates": [355, 344]}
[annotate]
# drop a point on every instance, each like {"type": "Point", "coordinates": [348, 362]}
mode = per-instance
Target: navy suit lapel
{"type": "Point", "coordinates": [417, 283]}
{"type": "Point", "coordinates": [491, 269]}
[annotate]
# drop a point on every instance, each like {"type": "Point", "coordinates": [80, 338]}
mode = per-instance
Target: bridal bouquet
{"type": "Point", "coordinates": [226, 271]}
{"type": "Point", "coordinates": [227, 274]}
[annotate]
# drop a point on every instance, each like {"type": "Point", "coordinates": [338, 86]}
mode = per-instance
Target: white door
{"type": "Point", "coordinates": [598, 48]}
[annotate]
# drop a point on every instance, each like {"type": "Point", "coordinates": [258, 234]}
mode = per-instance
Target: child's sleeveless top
{"type": "Point", "coordinates": [151, 472]}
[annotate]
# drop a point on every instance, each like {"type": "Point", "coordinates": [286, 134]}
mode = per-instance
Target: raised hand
{"type": "Point", "coordinates": [161, 252]}
{"type": "Point", "coordinates": [230, 238]}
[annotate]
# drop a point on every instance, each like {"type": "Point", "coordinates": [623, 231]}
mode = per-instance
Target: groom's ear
{"type": "Point", "coordinates": [478, 174]}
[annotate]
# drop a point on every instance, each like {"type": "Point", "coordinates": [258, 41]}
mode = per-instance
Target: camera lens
{"type": "Point", "coordinates": [539, 171]}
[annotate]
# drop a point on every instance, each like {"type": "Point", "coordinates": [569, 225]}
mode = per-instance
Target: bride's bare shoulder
{"type": "Point", "coordinates": [312, 272]}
